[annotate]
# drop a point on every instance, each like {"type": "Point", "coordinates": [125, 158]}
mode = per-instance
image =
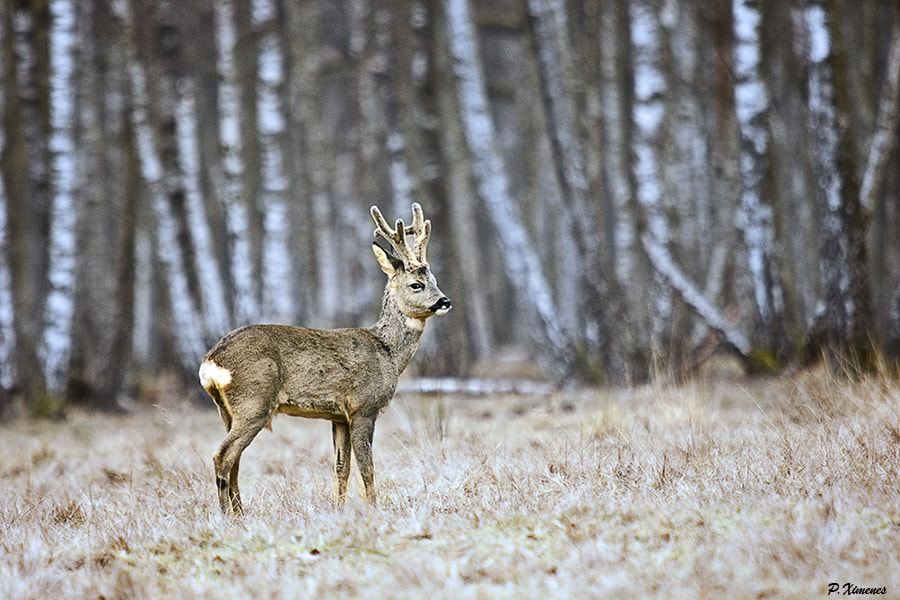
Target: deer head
{"type": "Point", "coordinates": [410, 282]}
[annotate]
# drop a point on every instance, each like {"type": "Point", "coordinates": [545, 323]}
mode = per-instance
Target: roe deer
{"type": "Point", "coordinates": [347, 376]}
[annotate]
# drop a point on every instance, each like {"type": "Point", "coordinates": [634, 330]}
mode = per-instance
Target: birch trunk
{"type": "Point", "coordinates": [59, 306]}
{"type": "Point", "coordinates": [96, 368]}
{"type": "Point", "coordinates": [884, 137]}
{"type": "Point", "coordinates": [616, 126]}
{"type": "Point", "coordinates": [277, 297]}
{"type": "Point", "coordinates": [8, 409]}
{"type": "Point", "coordinates": [211, 289]}
{"type": "Point", "coordinates": [322, 271]}
{"type": "Point", "coordinates": [520, 260]}
{"type": "Point", "coordinates": [647, 116]}
{"type": "Point", "coordinates": [7, 331]}
{"type": "Point", "coordinates": [463, 225]}
{"type": "Point", "coordinates": [597, 295]}
{"type": "Point", "coordinates": [185, 330]}
{"type": "Point", "coordinates": [755, 217]}
{"type": "Point", "coordinates": [230, 189]}
{"type": "Point", "coordinates": [26, 171]}
{"type": "Point", "coordinates": [841, 327]}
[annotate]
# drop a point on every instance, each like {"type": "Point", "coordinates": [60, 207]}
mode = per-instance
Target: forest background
{"type": "Point", "coordinates": [615, 187]}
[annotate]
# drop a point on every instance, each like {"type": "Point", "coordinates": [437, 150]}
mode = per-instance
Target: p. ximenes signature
{"type": "Point", "coordinates": [851, 589]}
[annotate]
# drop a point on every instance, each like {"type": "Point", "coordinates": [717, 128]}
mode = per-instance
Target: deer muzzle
{"type": "Point", "coordinates": [441, 306]}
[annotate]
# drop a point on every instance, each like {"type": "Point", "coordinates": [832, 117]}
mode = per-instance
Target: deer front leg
{"type": "Point", "coordinates": [362, 429]}
{"type": "Point", "coordinates": [340, 434]}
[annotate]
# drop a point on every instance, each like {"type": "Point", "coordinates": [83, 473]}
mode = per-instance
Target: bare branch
{"type": "Point", "coordinates": [662, 261]}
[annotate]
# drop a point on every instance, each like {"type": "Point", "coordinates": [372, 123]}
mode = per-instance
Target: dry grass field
{"type": "Point", "coordinates": [738, 489]}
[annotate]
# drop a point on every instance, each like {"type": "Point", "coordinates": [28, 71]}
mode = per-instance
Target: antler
{"type": "Point", "coordinates": [420, 228]}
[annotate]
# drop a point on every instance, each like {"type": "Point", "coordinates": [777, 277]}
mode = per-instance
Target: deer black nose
{"type": "Point", "coordinates": [441, 306]}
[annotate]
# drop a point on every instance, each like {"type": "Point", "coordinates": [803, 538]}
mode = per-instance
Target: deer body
{"type": "Point", "coordinates": [347, 376]}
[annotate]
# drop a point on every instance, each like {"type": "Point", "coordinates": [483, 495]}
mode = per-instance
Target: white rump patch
{"type": "Point", "coordinates": [212, 374]}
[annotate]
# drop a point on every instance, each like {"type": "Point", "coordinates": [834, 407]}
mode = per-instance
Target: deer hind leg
{"type": "Point", "coordinates": [233, 484]}
{"type": "Point", "coordinates": [340, 434]}
{"type": "Point", "coordinates": [226, 463]}
{"type": "Point", "coordinates": [227, 459]}
{"type": "Point", "coordinates": [362, 431]}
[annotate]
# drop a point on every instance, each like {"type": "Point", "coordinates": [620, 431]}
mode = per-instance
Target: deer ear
{"type": "Point", "coordinates": [389, 263]}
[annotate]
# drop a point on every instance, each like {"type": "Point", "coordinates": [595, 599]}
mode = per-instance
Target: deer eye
{"type": "Point", "coordinates": [416, 286]}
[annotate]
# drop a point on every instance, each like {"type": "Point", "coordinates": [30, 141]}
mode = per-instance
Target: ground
{"type": "Point", "coordinates": [742, 489]}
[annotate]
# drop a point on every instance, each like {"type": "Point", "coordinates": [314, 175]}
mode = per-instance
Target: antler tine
{"type": "Point", "coordinates": [418, 220]}
{"type": "Point", "coordinates": [422, 230]}
{"type": "Point", "coordinates": [396, 236]}
{"type": "Point", "coordinates": [421, 242]}
{"type": "Point", "coordinates": [381, 226]}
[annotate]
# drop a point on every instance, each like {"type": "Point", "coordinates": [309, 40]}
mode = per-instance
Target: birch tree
{"type": "Point", "coordinates": [26, 172]}
{"type": "Point", "coordinates": [648, 115]}
{"type": "Point", "coordinates": [755, 217]}
{"type": "Point", "coordinates": [841, 326]}
{"type": "Point", "coordinates": [101, 300]}
{"type": "Point", "coordinates": [883, 138]}
{"type": "Point", "coordinates": [230, 190]}
{"type": "Point", "coordinates": [471, 273]}
{"type": "Point", "coordinates": [277, 300]}
{"type": "Point", "coordinates": [7, 332]}
{"type": "Point", "coordinates": [185, 328]}
{"type": "Point", "coordinates": [102, 362]}
{"type": "Point", "coordinates": [212, 296]}
{"type": "Point", "coordinates": [648, 112]}
{"type": "Point", "coordinates": [320, 271]}
{"type": "Point", "coordinates": [7, 326]}
{"type": "Point", "coordinates": [59, 305]}
{"type": "Point", "coordinates": [615, 100]}
{"type": "Point", "coordinates": [522, 265]}
{"type": "Point", "coordinates": [600, 333]}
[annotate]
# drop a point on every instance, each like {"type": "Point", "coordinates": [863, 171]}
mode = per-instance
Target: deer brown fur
{"type": "Point", "coordinates": [347, 376]}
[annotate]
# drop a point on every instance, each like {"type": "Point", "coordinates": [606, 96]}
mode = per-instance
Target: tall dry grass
{"type": "Point", "coordinates": [766, 489]}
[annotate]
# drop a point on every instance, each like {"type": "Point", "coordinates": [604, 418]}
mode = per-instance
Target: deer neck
{"type": "Point", "coordinates": [399, 333]}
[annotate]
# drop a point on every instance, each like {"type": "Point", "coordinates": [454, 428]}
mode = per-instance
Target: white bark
{"type": "Point", "coordinates": [520, 259]}
{"type": "Point", "coordinates": [401, 179]}
{"type": "Point", "coordinates": [755, 218]}
{"type": "Point", "coordinates": [615, 119]}
{"type": "Point", "coordinates": [212, 291]}
{"type": "Point", "coordinates": [60, 305]}
{"type": "Point", "coordinates": [556, 67]}
{"type": "Point", "coordinates": [685, 168]}
{"type": "Point", "coordinates": [277, 300]}
{"type": "Point", "coordinates": [319, 249]}
{"type": "Point", "coordinates": [648, 114]}
{"type": "Point", "coordinates": [883, 139]}
{"type": "Point", "coordinates": [230, 192]}
{"type": "Point", "coordinates": [7, 314]}
{"type": "Point", "coordinates": [143, 297]}
{"type": "Point", "coordinates": [834, 263]}
{"type": "Point", "coordinates": [186, 327]}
